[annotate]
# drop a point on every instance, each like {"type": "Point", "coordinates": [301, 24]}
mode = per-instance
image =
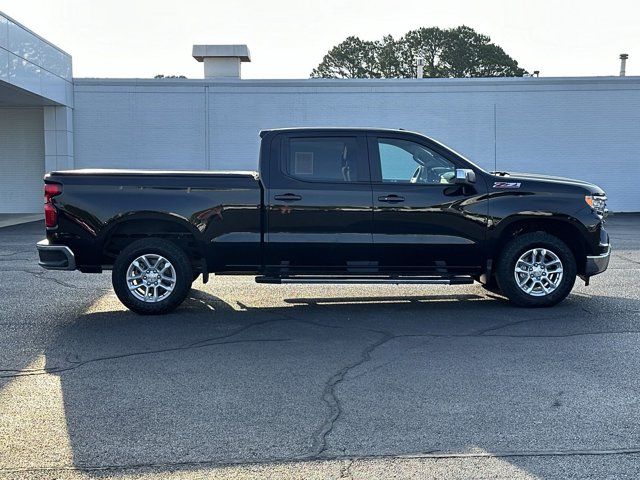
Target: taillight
{"type": "Point", "coordinates": [50, 211]}
{"type": "Point", "coordinates": [51, 190]}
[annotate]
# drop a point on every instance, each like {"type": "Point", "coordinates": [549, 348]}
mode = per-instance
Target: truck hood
{"type": "Point", "coordinates": [517, 176]}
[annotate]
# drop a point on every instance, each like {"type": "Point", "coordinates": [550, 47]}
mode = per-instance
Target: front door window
{"type": "Point", "coordinates": [402, 161]}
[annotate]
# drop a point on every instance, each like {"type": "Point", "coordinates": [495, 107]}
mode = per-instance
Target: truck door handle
{"type": "Point", "coordinates": [393, 198]}
{"type": "Point", "coordinates": [288, 197]}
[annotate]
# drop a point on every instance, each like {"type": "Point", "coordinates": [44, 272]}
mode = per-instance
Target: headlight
{"type": "Point", "coordinates": [597, 202]}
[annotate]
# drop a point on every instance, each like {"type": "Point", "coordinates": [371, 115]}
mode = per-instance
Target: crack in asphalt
{"type": "Point", "coordinates": [587, 311]}
{"type": "Point", "coordinates": [16, 253]}
{"type": "Point", "coordinates": [345, 471]}
{"type": "Point", "coordinates": [74, 365]}
{"type": "Point", "coordinates": [428, 455]}
{"type": "Point", "coordinates": [558, 335]}
{"type": "Point", "coordinates": [506, 325]}
{"type": "Point", "coordinates": [335, 407]}
{"type": "Point", "coordinates": [41, 276]}
{"type": "Point", "coordinates": [193, 345]}
{"type": "Point", "coordinates": [237, 331]}
{"type": "Point", "coordinates": [623, 257]}
{"type": "Point", "coordinates": [329, 397]}
{"type": "Point", "coordinates": [319, 442]}
{"type": "Point", "coordinates": [387, 336]}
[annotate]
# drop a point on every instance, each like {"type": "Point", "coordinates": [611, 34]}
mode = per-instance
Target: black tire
{"type": "Point", "coordinates": [152, 246]}
{"type": "Point", "coordinates": [517, 247]}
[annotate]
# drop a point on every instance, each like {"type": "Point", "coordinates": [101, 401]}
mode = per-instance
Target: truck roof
{"type": "Point", "coordinates": [338, 129]}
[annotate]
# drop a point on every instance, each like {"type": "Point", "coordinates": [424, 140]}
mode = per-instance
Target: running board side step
{"type": "Point", "coordinates": [374, 280]}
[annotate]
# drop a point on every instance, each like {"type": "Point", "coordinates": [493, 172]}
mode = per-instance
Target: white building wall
{"type": "Point", "coordinates": [131, 127]}
{"type": "Point", "coordinates": [464, 122]}
{"type": "Point", "coordinates": [578, 127]}
{"type": "Point", "coordinates": [590, 135]}
{"type": "Point", "coordinates": [21, 160]}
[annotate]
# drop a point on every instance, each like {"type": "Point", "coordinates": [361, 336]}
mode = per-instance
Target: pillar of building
{"type": "Point", "coordinates": [58, 138]}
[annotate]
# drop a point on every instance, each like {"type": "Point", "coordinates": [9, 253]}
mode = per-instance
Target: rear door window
{"type": "Point", "coordinates": [323, 159]}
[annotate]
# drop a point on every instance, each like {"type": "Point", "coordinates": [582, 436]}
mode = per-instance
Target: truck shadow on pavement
{"type": "Point", "coordinates": [340, 377]}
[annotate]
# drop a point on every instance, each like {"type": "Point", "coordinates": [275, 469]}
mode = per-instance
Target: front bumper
{"type": "Point", "coordinates": [597, 263]}
{"type": "Point", "coordinates": [55, 257]}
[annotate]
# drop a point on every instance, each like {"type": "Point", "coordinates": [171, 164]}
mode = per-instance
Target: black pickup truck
{"type": "Point", "coordinates": [330, 205]}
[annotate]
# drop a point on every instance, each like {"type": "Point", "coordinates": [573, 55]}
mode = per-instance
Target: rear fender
{"type": "Point", "coordinates": [141, 224]}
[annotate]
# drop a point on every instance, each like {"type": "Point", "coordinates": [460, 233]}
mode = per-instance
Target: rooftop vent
{"type": "Point", "coordinates": [623, 64]}
{"type": "Point", "coordinates": [221, 61]}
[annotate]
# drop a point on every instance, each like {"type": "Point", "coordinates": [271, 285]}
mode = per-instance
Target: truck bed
{"type": "Point", "coordinates": [97, 206]}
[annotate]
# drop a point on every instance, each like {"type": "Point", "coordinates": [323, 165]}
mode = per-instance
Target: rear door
{"type": "Point", "coordinates": [319, 203]}
{"type": "Point", "coordinates": [422, 220]}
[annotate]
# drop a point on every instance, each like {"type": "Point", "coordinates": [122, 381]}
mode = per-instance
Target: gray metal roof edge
{"type": "Point", "coordinates": [331, 82]}
{"type": "Point", "coordinates": [40, 37]}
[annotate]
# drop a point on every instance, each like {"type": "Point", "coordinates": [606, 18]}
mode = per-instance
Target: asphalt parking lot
{"type": "Point", "coordinates": [250, 380]}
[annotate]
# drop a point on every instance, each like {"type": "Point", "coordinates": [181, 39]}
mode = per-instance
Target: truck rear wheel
{"type": "Point", "coordinates": [536, 270]}
{"type": "Point", "coordinates": [152, 276]}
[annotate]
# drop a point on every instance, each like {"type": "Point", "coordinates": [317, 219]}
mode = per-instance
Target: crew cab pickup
{"type": "Point", "coordinates": [330, 205]}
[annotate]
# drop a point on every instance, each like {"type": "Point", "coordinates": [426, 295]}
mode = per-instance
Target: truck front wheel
{"type": "Point", "coordinates": [536, 270]}
{"type": "Point", "coordinates": [152, 276]}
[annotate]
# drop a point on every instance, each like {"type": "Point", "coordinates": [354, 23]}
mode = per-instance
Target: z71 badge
{"type": "Point", "coordinates": [506, 184]}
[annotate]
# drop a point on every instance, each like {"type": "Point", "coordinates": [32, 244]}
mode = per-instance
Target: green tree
{"type": "Point", "coordinates": [353, 58]}
{"type": "Point", "coordinates": [453, 52]}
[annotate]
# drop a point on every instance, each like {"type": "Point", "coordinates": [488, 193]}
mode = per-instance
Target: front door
{"type": "Point", "coordinates": [319, 204]}
{"type": "Point", "coordinates": [423, 221]}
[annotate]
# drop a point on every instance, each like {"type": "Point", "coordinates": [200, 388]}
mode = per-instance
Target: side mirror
{"type": "Point", "coordinates": [465, 176]}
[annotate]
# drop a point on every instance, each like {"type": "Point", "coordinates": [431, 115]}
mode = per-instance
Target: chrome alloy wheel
{"type": "Point", "coordinates": [538, 272]}
{"type": "Point", "coordinates": [151, 278]}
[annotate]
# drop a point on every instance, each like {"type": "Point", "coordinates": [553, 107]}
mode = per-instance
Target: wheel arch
{"type": "Point", "coordinates": [128, 228]}
{"type": "Point", "coordinates": [567, 229]}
